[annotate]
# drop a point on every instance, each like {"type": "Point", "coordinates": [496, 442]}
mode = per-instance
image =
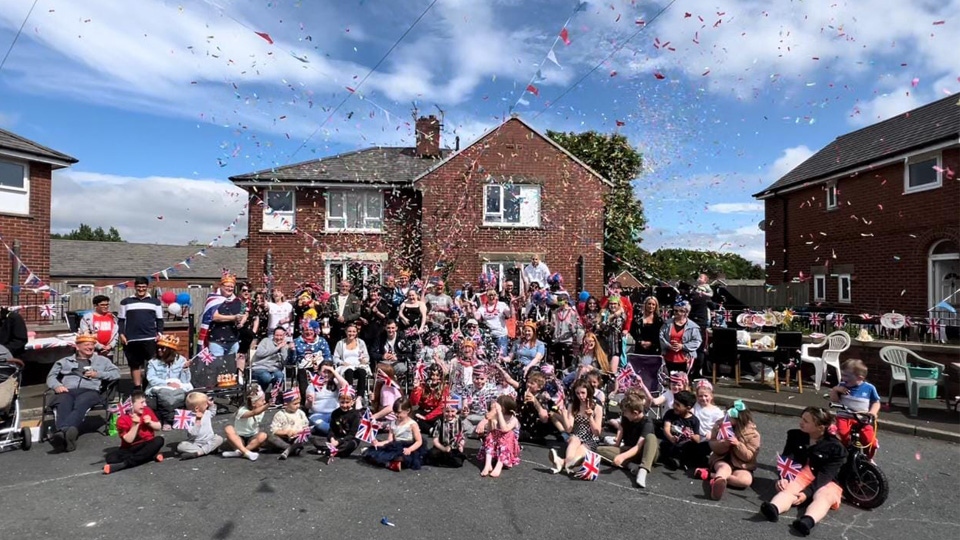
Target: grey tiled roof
{"type": "Point", "coordinates": [16, 143]}
{"type": "Point", "coordinates": [370, 166]}
{"type": "Point", "coordinates": [124, 260]}
{"type": "Point", "coordinates": [932, 123]}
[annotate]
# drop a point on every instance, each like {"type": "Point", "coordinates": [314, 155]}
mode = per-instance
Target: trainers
{"type": "Point", "coordinates": [395, 465]}
{"type": "Point", "coordinates": [701, 474]}
{"type": "Point", "coordinates": [166, 427]}
{"type": "Point", "coordinates": [252, 456]}
{"type": "Point", "coordinates": [231, 453]}
{"type": "Point", "coordinates": [717, 487]}
{"type": "Point", "coordinates": [610, 440]}
{"type": "Point", "coordinates": [284, 455]}
{"type": "Point", "coordinates": [770, 512]}
{"type": "Point", "coordinates": [71, 438]}
{"type": "Point", "coordinates": [642, 478]}
{"type": "Point", "coordinates": [556, 462]}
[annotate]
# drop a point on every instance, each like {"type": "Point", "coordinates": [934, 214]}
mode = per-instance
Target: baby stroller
{"type": "Point", "coordinates": [11, 434]}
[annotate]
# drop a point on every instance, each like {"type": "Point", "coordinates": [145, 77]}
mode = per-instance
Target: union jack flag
{"type": "Point", "coordinates": [124, 407]}
{"type": "Point", "coordinates": [907, 322]}
{"type": "Point", "coordinates": [274, 392]}
{"type": "Point", "coordinates": [590, 469]}
{"type": "Point", "coordinates": [368, 428]}
{"type": "Point", "coordinates": [206, 356]}
{"type": "Point", "coordinates": [382, 376]}
{"type": "Point", "coordinates": [420, 372]}
{"type": "Point", "coordinates": [458, 441]}
{"type": "Point", "coordinates": [787, 469]}
{"type": "Point", "coordinates": [183, 419]}
{"type": "Point", "coordinates": [839, 320]}
{"type": "Point", "coordinates": [933, 327]}
{"type": "Point", "coordinates": [46, 311]}
{"type": "Point", "coordinates": [317, 380]}
{"type": "Point", "coordinates": [331, 449]}
{"type": "Point", "coordinates": [726, 429]}
{"type": "Point", "coordinates": [815, 319]}
{"type": "Point", "coordinates": [348, 390]}
{"type": "Point", "coordinates": [452, 400]}
{"type": "Point", "coordinates": [303, 436]}
{"type": "Point", "coordinates": [727, 315]}
{"type": "Point", "coordinates": [626, 376]}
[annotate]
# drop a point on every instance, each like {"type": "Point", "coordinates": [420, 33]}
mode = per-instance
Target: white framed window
{"type": "Point", "coordinates": [279, 211]}
{"type": "Point", "coordinates": [14, 187]}
{"type": "Point", "coordinates": [844, 288]}
{"type": "Point", "coordinates": [819, 288]}
{"type": "Point", "coordinates": [511, 205]}
{"type": "Point", "coordinates": [922, 172]}
{"type": "Point", "coordinates": [354, 210]}
{"type": "Point", "coordinates": [505, 271]}
{"type": "Point", "coordinates": [831, 195]}
{"type": "Point", "coordinates": [359, 273]}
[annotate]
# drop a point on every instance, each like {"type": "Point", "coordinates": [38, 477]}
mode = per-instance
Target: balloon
{"type": "Point", "coordinates": [174, 309]}
{"type": "Point", "coordinates": [584, 296]}
{"type": "Point", "coordinates": [168, 297]}
{"type": "Point", "coordinates": [183, 299]}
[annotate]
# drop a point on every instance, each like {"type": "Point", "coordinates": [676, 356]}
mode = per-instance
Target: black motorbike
{"type": "Point", "coordinates": [864, 483]}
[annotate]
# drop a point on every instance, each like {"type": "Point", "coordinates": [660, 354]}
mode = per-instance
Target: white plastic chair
{"type": "Point", "coordinates": [899, 359]}
{"type": "Point", "coordinates": [837, 343]}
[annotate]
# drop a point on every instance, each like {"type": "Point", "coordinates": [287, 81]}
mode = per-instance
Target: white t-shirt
{"type": "Point", "coordinates": [538, 273]}
{"type": "Point", "coordinates": [279, 312]}
{"type": "Point", "coordinates": [342, 303]}
{"type": "Point", "coordinates": [247, 427]}
{"type": "Point", "coordinates": [324, 400]}
{"type": "Point", "coordinates": [494, 318]}
{"type": "Point", "coordinates": [708, 417]}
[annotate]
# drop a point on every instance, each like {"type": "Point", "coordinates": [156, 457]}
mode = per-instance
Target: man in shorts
{"type": "Point", "coordinates": [141, 322]}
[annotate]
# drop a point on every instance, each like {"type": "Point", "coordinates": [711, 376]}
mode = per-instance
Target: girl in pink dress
{"type": "Point", "coordinates": [500, 443]}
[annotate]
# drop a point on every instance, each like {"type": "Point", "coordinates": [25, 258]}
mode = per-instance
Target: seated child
{"type": "Point", "coordinates": [538, 414]}
{"type": "Point", "coordinates": [448, 441]}
{"type": "Point", "coordinates": [734, 458]}
{"type": "Point", "coordinates": [856, 394]}
{"type": "Point", "coordinates": [636, 435]}
{"type": "Point", "coordinates": [201, 439]}
{"type": "Point", "coordinates": [139, 442]}
{"type": "Point", "coordinates": [500, 442]}
{"type": "Point", "coordinates": [477, 398]}
{"type": "Point", "coordinates": [583, 420]}
{"type": "Point", "coordinates": [245, 434]}
{"type": "Point", "coordinates": [287, 426]}
{"type": "Point", "coordinates": [403, 447]}
{"type": "Point", "coordinates": [680, 427]}
{"type": "Point", "coordinates": [341, 440]}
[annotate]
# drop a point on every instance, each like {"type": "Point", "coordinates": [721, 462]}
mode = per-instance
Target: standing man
{"type": "Point", "coordinates": [140, 325]}
{"type": "Point", "coordinates": [102, 322]}
{"type": "Point", "coordinates": [231, 314]}
{"type": "Point", "coordinates": [344, 308]}
{"type": "Point", "coordinates": [373, 315]}
{"type": "Point", "coordinates": [701, 302]}
{"type": "Point", "coordinates": [535, 272]}
{"type": "Point", "coordinates": [13, 332]}
{"type": "Point", "coordinates": [439, 303]}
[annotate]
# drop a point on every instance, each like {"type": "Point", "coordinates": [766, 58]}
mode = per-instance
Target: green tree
{"type": "Point", "coordinates": [615, 159]}
{"type": "Point", "coordinates": [86, 232]}
{"type": "Point", "coordinates": [674, 263]}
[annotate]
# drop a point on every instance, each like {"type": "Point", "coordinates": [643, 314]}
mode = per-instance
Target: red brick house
{"type": "Point", "coordinates": [490, 206]}
{"type": "Point", "coordinates": [872, 220]}
{"type": "Point", "coordinates": [25, 186]}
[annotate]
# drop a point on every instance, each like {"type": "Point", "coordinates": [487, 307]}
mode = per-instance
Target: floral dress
{"type": "Point", "coordinates": [502, 445]}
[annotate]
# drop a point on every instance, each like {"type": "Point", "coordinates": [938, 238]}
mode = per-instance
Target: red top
{"type": "Point", "coordinates": [675, 357]}
{"type": "Point", "coordinates": [430, 405]}
{"type": "Point", "coordinates": [144, 433]}
{"type": "Point", "coordinates": [104, 325]}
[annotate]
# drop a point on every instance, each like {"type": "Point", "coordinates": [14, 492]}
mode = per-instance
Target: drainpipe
{"type": "Point", "coordinates": [268, 272]}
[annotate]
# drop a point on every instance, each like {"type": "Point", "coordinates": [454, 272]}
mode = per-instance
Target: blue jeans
{"type": "Point", "coordinates": [72, 406]}
{"type": "Point", "coordinates": [265, 378]}
{"type": "Point", "coordinates": [217, 349]}
{"type": "Point", "coordinates": [320, 422]}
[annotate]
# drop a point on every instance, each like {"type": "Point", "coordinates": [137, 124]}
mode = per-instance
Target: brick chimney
{"type": "Point", "coordinates": [428, 137]}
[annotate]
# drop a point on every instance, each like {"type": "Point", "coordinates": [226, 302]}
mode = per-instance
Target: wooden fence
{"type": "Point", "coordinates": [81, 299]}
{"type": "Point", "coordinates": [760, 297]}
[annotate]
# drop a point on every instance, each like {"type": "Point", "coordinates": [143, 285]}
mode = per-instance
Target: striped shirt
{"type": "Point", "coordinates": [140, 319]}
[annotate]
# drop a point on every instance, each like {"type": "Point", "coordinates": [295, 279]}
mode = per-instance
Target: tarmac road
{"type": "Point", "coordinates": [53, 496]}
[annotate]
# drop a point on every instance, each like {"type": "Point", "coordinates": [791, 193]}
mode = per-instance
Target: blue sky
{"type": "Point", "coordinates": [162, 103]}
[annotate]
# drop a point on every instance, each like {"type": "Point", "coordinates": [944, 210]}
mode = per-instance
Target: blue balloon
{"type": "Point", "coordinates": [584, 296]}
{"type": "Point", "coordinates": [183, 299]}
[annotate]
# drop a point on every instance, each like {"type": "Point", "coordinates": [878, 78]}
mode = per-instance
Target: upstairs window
{"type": "Point", "coordinates": [922, 172]}
{"type": "Point", "coordinates": [354, 210]}
{"type": "Point", "coordinates": [279, 211]}
{"type": "Point", "coordinates": [511, 205]}
{"type": "Point", "coordinates": [831, 195]}
{"type": "Point", "coordinates": [819, 288]}
{"type": "Point", "coordinates": [844, 288]}
{"type": "Point", "coordinates": [14, 188]}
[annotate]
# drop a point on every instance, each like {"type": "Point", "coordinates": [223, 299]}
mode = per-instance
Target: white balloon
{"type": "Point", "coordinates": [174, 309]}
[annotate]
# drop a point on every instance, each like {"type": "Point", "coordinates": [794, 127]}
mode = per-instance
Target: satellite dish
{"type": "Point", "coordinates": [762, 225]}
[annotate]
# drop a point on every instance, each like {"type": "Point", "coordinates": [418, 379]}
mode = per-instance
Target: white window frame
{"type": "Point", "coordinates": [819, 282]}
{"type": "Point", "coordinates": [273, 220]}
{"type": "Point", "coordinates": [832, 195]}
{"type": "Point", "coordinates": [331, 282]}
{"type": "Point", "coordinates": [16, 200]}
{"type": "Point", "coordinates": [495, 219]}
{"type": "Point", "coordinates": [840, 297]}
{"type": "Point", "coordinates": [500, 266]}
{"type": "Point", "coordinates": [371, 224]}
{"type": "Point", "coordinates": [914, 159]}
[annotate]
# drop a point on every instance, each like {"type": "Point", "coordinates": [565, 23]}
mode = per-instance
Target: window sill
{"type": "Point", "coordinates": [832, 208]}
{"type": "Point", "coordinates": [509, 226]}
{"type": "Point", "coordinates": [354, 231]}
{"type": "Point", "coordinates": [16, 215]}
{"type": "Point", "coordinates": [920, 189]}
{"type": "Point", "coordinates": [844, 301]}
{"type": "Point", "coordinates": [278, 231]}
{"type": "Point", "coordinates": [17, 190]}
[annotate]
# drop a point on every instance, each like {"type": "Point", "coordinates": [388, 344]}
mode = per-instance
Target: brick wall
{"type": "Point", "coordinates": [879, 234]}
{"type": "Point", "coordinates": [296, 259]}
{"type": "Point", "coordinates": [571, 208]}
{"type": "Point", "coordinates": [33, 232]}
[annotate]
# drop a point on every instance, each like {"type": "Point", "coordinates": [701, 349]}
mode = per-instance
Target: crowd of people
{"type": "Point", "coordinates": [429, 370]}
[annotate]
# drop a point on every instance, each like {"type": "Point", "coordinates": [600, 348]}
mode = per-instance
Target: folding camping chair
{"type": "Point", "coordinates": [653, 372]}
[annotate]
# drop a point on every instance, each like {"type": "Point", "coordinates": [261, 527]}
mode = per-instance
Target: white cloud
{"type": "Point", "coordinates": [192, 209]}
{"type": "Point", "coordinates": [9, 119]}
{"type": "Point", "coordinates": [735, 208]}
{"type": "Point", "coordinates": [884, 107]}
{"type": "Point", "coordinates": [788, 160]}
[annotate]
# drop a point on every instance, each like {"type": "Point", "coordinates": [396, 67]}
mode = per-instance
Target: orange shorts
{"type": "Point", "coordinates": [868, 438]}
{"type": "Point", "coordinates": [832, 491]}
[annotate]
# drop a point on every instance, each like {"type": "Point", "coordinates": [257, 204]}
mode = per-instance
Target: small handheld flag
{"type": "Point", "coordinates": [590, 470]}
{"type": "Point", "coordinates": [382, 376]}
{"type": "Point", "coordinates": [368, 428]}
{"type": "Point", "coordinates": [786, 468]}
{"type": "Point", "coordinates": [124, 407]}
{"type": "Point", "coordinates": [183, 419]}
{"type": "Point", "coordinates": [303, 436]}
{"type": "Point", "coordinates": [725, 433]}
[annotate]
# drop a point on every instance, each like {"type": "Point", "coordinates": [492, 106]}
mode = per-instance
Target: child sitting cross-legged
{"type": "Point", "coordinates": [734, 452]}
{"type": "Point", "coordinates": [404, 446]}
{"type": "Point", "coordinates": [448, 440]}
{"type": "Point", "coordinates": [636, 435]}
{"type": "Point", "coordinates": [341, 440]}
{"type": "Point", "coordinates": [139, 443]}
{"type": "Point", "coordinates": [288, 425]}
{"type": "Point", "coordinates": [201, 439]}
{"type": "Point", "coordinates": [680, 428]}
{"type": "Point", "coordinates": [245, 434]}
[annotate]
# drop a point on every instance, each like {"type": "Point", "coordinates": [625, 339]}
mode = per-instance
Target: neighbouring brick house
{"type": "Point", "coordinates": [25, 186]}
{"type": "Point", "coordinates": [873, 219]}
{"type": "Point", "coordinates": [490, 206]}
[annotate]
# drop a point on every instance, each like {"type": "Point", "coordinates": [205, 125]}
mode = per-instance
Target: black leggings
{"type": "Point", "coordinates": [439, 458]}
{"type": "Point", "coordinates": [357, 378]}
{"type": "Point", "coordinates": [138, 454]}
